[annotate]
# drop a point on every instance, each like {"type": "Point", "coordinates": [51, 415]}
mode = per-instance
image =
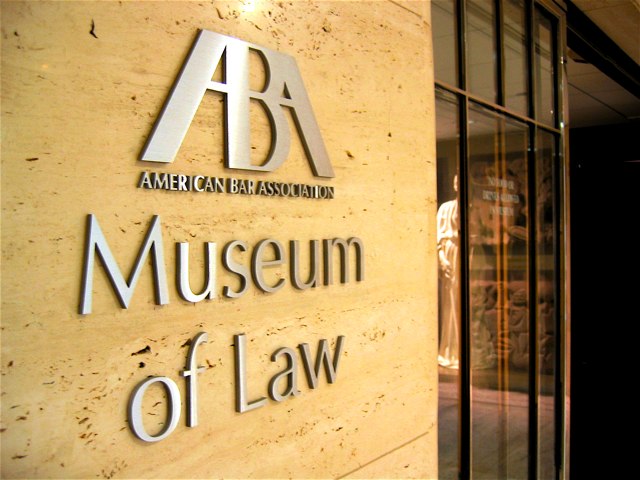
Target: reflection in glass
{"type": "Point", "coordinates": [447, 145]}
{"type": "Point", "coordinates": [546, 278]}
{"type": "Point", "coordinates": [544, 35]}
{"type": "Point", "coordinates": [511, 213]}
{"type": "Point", "coordinates": [497, 172]}
{"type": "Point", "coordinates": [443, 21]}
{"type": "Point", "coordinates": [515, 55]}
{"type": "Point", "coordinates": [481, 49]}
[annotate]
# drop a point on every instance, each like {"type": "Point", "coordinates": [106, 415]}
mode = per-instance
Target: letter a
{"type": "Point", "coordinates": [183, 101]}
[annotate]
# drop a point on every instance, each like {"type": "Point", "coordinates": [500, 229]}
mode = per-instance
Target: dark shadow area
{"type": "Point", "coordinates": [605, 292]}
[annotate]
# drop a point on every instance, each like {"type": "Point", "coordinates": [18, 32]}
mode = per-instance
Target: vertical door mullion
{"type": "Point", "coordinates": [465, 313]}
{"type": "Point", "coordinates": [530, 59]}
{"type": "Point", "coordinates": [559, 392]}
{"type": "Point", "coordinates": [534, 369]}
{"type": "Point", "coordinates": [533, 330]}
{"type": "Point", "coordinates": [464, 377]}
{"type": "Point", "coordinates": [500, 87]}
{"type": "Point", "coordinates": [561, 193]}
{"type": "Point", "coordinates": [461, 13]}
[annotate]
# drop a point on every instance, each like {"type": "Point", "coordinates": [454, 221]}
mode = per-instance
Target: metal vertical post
{"type": "Point", "coordinates": [465, 323]}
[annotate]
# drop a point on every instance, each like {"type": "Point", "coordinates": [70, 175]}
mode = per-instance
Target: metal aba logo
{"type": "Point", "coordinates": [283, 89]}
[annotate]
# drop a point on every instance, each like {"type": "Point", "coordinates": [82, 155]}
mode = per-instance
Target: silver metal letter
{"type": "Point", "coordinates": [182, 273]}
{"type": "Point", "coordinates": [344, 259]}
{"type": "Point", "coordinates": [322, 357]}
{"type": "Point", "coordinates": [191, 373]}
{"type": "Point", "coordinates": [284, 88]}
{"type": "Point", "coordinates": [185, 97]}
{"type": "Point", "coordinates": [294, 265]}
{"type": "Point", "coordinates": [290, 373]}
{"type": "Point", "coordinates": [135, 409]}
{"type": "Point", "coordinates": [97, 243]}
{"type": "Point", "coordinates": [257, 264]}
{"type": "Point", "coordinates": [234, 267]}
{"type": "Point", "coordinates": [242, 404]}
{"type": "Point", "coordinates": [145, 181]}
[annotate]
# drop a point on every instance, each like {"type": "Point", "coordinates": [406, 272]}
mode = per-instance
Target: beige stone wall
{"type": "Point", "coordinates": [76, 111]}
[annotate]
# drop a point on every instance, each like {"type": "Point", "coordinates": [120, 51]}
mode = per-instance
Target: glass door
{"type": "Point", "coordinates": [498, 285]}
{"type": "Point", "coordinates": [500, 201]}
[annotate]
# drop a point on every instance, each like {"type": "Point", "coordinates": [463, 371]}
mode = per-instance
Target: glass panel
{"type": "Point", "coordinates": [448, 150]}
{"type": "Point", "coordinates": [481, 45]}
{"type": "Point", "coordinates": [445, 34]}
{"type": "Point", "coordinates": [515, 55]}
{"type": "Point", "coordinates": [544, 44]}
{"type": "Point", "coordinates": [497, 171]}
{"type": "Point", "coordinates": [546, 278]}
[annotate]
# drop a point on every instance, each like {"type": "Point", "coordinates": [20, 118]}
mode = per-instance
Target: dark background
{"type": "Point", "coordinates": [605, 300]}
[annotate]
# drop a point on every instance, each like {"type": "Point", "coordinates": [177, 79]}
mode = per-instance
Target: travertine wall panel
{"type": "Point", "coordinates": [77, 109]}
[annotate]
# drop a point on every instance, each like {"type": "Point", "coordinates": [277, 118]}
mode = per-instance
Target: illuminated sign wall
{"type": "Point", "coordinates": [218, 240]}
